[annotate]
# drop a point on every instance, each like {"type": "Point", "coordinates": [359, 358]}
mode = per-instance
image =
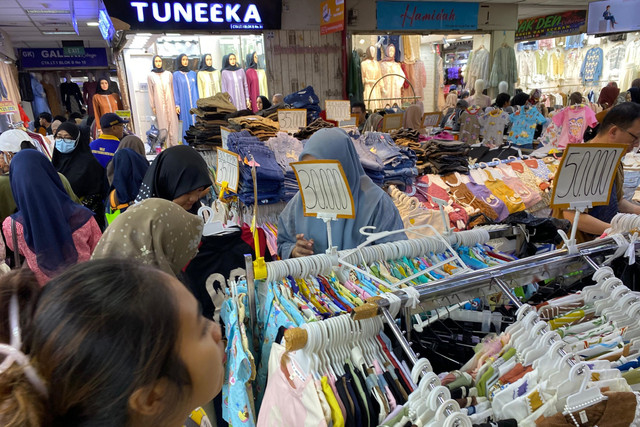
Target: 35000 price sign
{"type": "Point", "coordinates": [227, 169]}
{"type": "Point", "coordinates": [586, 174]}
{"type": "Point", "coordinates": [324, 188]}
{"type": "Point", "coordinates": [292, 120]}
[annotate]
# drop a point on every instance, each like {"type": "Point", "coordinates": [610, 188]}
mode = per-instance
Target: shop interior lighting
{"type": "Point", "coordinates": [59, 33]}
{"type": "Point", "coordinates": [450, 40]}
{"type": "Point", "coordinates": [466, 37]}
{"type": "Point", "coordinates": [172, 34]}
{"type": "Point", "coordinates": [48, 11]}
{"type": "Point", "coordinates": [93, 24]}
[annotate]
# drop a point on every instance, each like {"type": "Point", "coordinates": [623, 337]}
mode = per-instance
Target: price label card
{"type": "Point", "coordinates": [324, 188]}
{"type": "Point", "coordinates": [224, 134]}
{"type": "Point", "coordinates": [430, 120]}
{"type": "Point", "coordinates": [227, 169]}
{"type": "Point", "coordinates": [586, 174]}
{"type": "Point", "coordinates": [391, 122]}
{"type": "Point", "coordinates": [338, 110]}
{"type": "Point", "coordinates": [292, 120]}
{"type": "Point", "coordinates": [7, 107]}
{"type": "Point", "coordinates": [125, 114]}
{"type": "Point", "coordinates": [351, 123]}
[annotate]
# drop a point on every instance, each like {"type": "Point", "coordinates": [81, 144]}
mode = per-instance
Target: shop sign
{"type": "Point", "coordinates": [7, 107]}
{"type": "Point", "coordinates": [559, 24]}
{"type": "Point", "coordinates": [197, 15]}
{"type": "Point", "coordinates": [414, 15]}
{"type": "Point", "coordinates": [93, 57]}
{"type": "Point", "coordinates": [332, 16]}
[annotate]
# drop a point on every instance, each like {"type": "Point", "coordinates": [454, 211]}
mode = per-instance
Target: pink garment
{"type": "Point", "coordinates": [332, 382]}
{"type": "Point", "coordinates": [574, 121]}
{"type": "Point", "coordinates": [529, 198]}
{"type": "Point", "coordinates": [254, 87]}
{"type": "Point", "coordinates": [85, 238]}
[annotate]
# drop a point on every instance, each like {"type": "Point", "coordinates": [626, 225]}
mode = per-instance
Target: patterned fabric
{"type": "Point", "coordinates": [198, 418]}
{"type": "Point", "coordinates": [574, 122]}
{"type": "Point", "coordinates": [493, 126]}
{"type": "Point", "coordinates": [470, 126]}
{"type": "Point", "coordinates": [592, 66]}
{"type": "Point", "coordinates": [524, 125]}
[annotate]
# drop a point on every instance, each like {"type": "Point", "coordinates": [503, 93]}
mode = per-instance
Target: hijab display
{"type": "Point", "coordinates": [176, 171]}
{"type": "Point", "coordinates": [371, 73]}
{"type": "Point", "coordinates": [208, 77]}
{"type": "Point", "coordinates": [163, 104]}
{"type": "Point", "coordinates": [185, 92]}
{"type": "Point", "coordinates": [395, 80]}
{"type": "Point", "coordinates": [105, 101]}
{"type": "Point", "coordinates": [155, 232]}
{"type": "Point", "coordinates": [234, 82]}
{"type": "Point", "coordinates": [129, 141]}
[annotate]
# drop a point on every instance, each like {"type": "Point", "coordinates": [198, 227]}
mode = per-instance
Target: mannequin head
{"type": "Point", "coordinates": [104, 84]}
{"type": "Point", "coordinates": [208, 60]}
{"type": "Point", "coordinates": [391, 52]}
{"type": "Point", "coordinates": [479, 87]}
{"type": "Point", "coordinates": [255, 57]}
{"type": "Point", "coordinates": [371, 52]}
{"type": "Point", "coordinates": [157, 62]}
{"type": "Point", "coordinates": [184, 61]}
{"type": "Point", "coordinates": [68, 77]}
{"type": "Point", "coordinates": [91, 77]}
{"type": "Point", "coordinates": [503, 87]}
{"type": "Point", "coordinates": [232, 60]}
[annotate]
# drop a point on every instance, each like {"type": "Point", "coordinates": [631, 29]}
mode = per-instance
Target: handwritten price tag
{"type": "Point", "coordinates": [227, 169]}
{"type": "Point", "coordinates": [7, 107]}
{"type": "Point", "coordinates": [430, 120]}
{"type": "Point", "coordinates": [224, 135]}
{"type": "Point", "coordinates": [586, 174]}
{"type": "Point", "coordinates": [338, 110]}
{"type": "Point", "coordinates": [324, 188]}
{"type": "Point", "coordinates": [391, 122]}
{"type": "Point", "coordinates": [292, 120]}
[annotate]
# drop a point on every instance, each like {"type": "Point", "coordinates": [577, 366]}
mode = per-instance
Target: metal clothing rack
{"type": "Point", "coordinates": [369, 99]}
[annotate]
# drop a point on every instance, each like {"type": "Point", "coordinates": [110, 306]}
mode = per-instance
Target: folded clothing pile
{"type": "Point", "coordinates": [398, 163]}
{"type": "Point", "coordinates": [307, 99]}
{"type": "Point", "coordinates": [210, 114]}
{"type": "Point", "coordinates": [444, 157]}
{"type": "Point", "coordinates": [287, 149]}
{"type": "Point", "coordinates": [269, 174]}
{"type": "Point", "coordinates": [313, 127]}
{"type": "Point", "coordinates": [260, 127]}
{"type": "Point", "coordinates": [410, 138]}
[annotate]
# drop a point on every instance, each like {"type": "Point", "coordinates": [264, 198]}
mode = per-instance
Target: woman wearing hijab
{"type": "Point", "coordinates": [208, 77]}
{"type": "Point", "coordinates": [129, 141]}
{"type": "Point", "coordinates": [253, 82]}
{"type": "Point", "coordinates": [72, 157]}
{"type": "Point", "coordinates": [263, 103]}
{"type": "Point", "coordinates": [155, 232]}
{"type": "Point", "coordinates": [178, 174]}
{"type": "Point", "coordinates": [299, 235]}
{"type": "Point", "coordinates": [50, 230]}
{"type": "Point", "coordinates": [608, 95]}
{"type": "Point", "coordinates": [234, 82]}
{"type": "Point", "coordinates": [129, 170]}
{"type": "Point", "coordinates": [412, 118]}
{"type": "Point", "coordinates": [105, 101]}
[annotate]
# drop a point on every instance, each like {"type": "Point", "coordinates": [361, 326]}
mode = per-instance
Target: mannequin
{"type": "Point", "coordinates": [234, 82]}
{"type": "Point", "coordinates": [88, 90]}
{"type": "Point", "coordinates": [208, 78]}
{"type": "Point", "coordinates": [105, 101]}
{"type": "Point", "coordinates": [393, 84]}
{"type": "Point", "coordinates": [185, 91]}
{"type": "Point", "coordinates": [253, 82]}
{"type": "Point", "coordinates": [262, 79]}
{"type": "Point", "coordinates": [478, 98]}
{"type": "Point", "coordinates": [39, 103]}
{"type": "Point", "coordinates": [503, 87]}
{"type": "Point", "coordinates": [113, 86]}
{"type": "Point", "coordinates": [52, 96]}
{"type": "Point", "coordinates": [162, 101]}
{"type": "Point", "coordinates": [371, 72]}
{"type": "Point", "coordinates": [71, 96]}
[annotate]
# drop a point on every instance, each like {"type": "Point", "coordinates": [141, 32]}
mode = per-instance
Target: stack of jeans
{"type": "Point", "coordinates": [399, 163]}
{"type": "Point", "coordinates": [307, 99]}
{"type": "Point", "coordinates": [287, 149]}
{"type": "Point", "coordinates": [371, 163]}
{"type": "Point", "coordinates": [210, 115]}
{"type": "Point", "coordinates": [269, 174]}
{"type": "Point", "coordinates": [444, 157]}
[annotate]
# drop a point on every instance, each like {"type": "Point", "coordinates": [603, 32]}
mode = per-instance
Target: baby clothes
{"type": "Point", "coordinates": [524, 125]}
{"type": "Point", "coordinates": [574, 121]}
{"type": "Point", "coordinates": [493, 126]}
{"type": "Point", "coordinates": [592, 66]}
{"type": "Point", "coordinates": [470, 126]}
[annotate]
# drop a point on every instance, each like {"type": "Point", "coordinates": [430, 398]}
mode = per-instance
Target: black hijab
{"type": "Point", "coordinates": [228, 67]}
{"type": "Point", "coordinates": [250, 63]}
{"type": "Point", "coordinates": [635, 94]}
{"type": "Point", "coordinates": [101, 91]}
{"type": "Point", "coordinates": [176, 171]}
{"type": "Point", "coordinates": [203, 63]}
{"type": "Point", "coordinates": [179, 66]}
{"type": "Point", "coordinates": [153, 62]}
{"type": "Point", "coordinates": [83, 171]}
{"type": "Point", "coordinates": [265, 102]}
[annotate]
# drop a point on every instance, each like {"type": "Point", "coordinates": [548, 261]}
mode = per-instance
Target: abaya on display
{"type": "Point", "coordinates": [163, 103]}
{"type": "Point", "coordinates": [234, 82]}
{"type": "Point", "coordinates": [208, 79]}
{"type": "Point", "coordinates": [185, 92]}
{"type": "Point", "coordinates": [105, 101]}
{"type": "Point", "coordinates": [39, 103]}
{"type": "Point", "coordinates": [253, 82]}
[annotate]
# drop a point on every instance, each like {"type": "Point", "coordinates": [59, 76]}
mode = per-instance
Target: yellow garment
{"type": "Point", "coordinates": [336, 413]}
{"type": "Point", "coordinates": [506, 194]}
{"type": "Point", "coordinates": [208, 83]}
{"type": "Point", "coordinates": [568, 319]}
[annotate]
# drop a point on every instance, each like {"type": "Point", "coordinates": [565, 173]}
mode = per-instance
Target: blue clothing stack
{"type": "Point", "coordinates": [371, 163]}
{"type": "Point", "coordinates": [399, 163]}
{"type": "Point", "coordinates": [307, 99]}
{"type": "Point", "coordinates": [287, 149]}
{"type": "Point", "coordinates": [269, 173]}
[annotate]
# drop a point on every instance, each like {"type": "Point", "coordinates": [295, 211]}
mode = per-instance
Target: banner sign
{"type": "Point", "coordinates": [432, 15]}
{"type": "Point", "coordinates": [332, 16]}
{"type": "Point", "coordinates": [197, 15]}
{"type": "Point", "coordinates": [7, 107]}
{"type": "Point", "coordinates": [94, 57]}
{"type": "Point", "coordinates": [544, 27]}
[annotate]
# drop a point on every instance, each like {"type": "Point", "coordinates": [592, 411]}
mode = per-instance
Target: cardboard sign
{"type": "Point", "coordinates": [349, 124]}
{"type": "Point", "coordinates": [324, 188]}
{"type": "Point", "coordinates": [586, 174]}
{"type": "Point", "coordinates": [391, 122]}
{"type": "Point", "coordinates": [292, 120]}
{"type": "Point", "coordinates": [338, 110]}
{"type": "Point", "coordinates": [224, 134]}
{"type": "Point", "coordinates": [431, 120]}
{"type": "Point", "coordinates": [7, 107]}
{"type": "Point", "coordinates": [227, 169]}
{"type": "Point", "coordinates": [125, 114]}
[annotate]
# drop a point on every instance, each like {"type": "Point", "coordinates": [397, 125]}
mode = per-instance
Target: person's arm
{"type": "Point", "coordinates": [626, 206]}
{"type": "Point", "coordinates": [587, 223]}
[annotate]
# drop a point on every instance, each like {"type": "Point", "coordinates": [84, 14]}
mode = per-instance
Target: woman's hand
{"type": "Point", "coordinates": [303, 247]}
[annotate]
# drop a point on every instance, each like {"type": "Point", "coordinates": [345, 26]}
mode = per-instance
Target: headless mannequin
{"type": "Point", "coordinates": [163, 105]}
{"type": "Point", "coordinates": [71, 96]}
{"type": "Point", "coordinates": [371, 73]}
{"type": "Point", "coordinates": [479, 99]}
{"type": "Point", "coordinates": [394, 83]}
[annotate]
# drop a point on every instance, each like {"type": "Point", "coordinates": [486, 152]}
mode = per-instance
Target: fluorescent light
{"type": "Point", "coordinates": [144, 34]}
{"type": "Point", "coordinates": [93, 24]}
{"type": "Point", "coordinates": [450, 40]}
{"type": "Point", "coordinates": [48, 11]}
{"type": "Point", "coordinates": [61, 33]}
{"type": "Point", "coordinates": [172, 34]}
{"type": "Point", "coordinates": [466, 37]}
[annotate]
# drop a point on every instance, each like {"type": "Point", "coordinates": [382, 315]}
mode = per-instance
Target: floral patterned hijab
{"type": "Point", "coordinates": [156, 232]}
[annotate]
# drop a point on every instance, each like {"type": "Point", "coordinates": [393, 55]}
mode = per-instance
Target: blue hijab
{"type": "Point", "coordinates": [47, 215]}
{"type": "Point", "coordinates": [372, 206]}
{"type": "Point", "coordinates": [129, 169]}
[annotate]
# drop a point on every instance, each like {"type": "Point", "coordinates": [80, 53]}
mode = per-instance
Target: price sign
{"type": "Point", "coordinates": [292, 120]}
{"type": "Point", "coordinates": [227, 169]}
{"type": "Point", "coordinates": [324, 188]}
{"type": "Point", "coordinates": [430, 120]}
{"type": "Point", "coordinates": [338, 110]}
{"type": "Point", "coordinates": [351, 123]}
{"type": "Point", "coordinates": [125, 114]}
{"type": "Point", "coordinates": [224, 134]}
{"type": "Point", "coordinates": [586, 174]}
{"type": "Point", "coordinates": [7, 107]}
{"type": "Point", "coordinates": [391, 122]}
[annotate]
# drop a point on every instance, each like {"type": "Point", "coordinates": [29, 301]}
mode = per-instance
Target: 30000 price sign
{"type": "Point", "coordinates": [586, 174]}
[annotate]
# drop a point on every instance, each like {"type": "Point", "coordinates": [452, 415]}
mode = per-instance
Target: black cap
{"type": "Point", "coordinates": [111, 119]}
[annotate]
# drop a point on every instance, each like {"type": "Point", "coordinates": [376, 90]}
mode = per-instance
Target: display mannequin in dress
{"type": "Point", "coordinates": [71, 96]}
{"type": "Point", "coordinates": [208, 77]}
{"type": "Point", "coordinates": [52, 95]}
{"type": "Point", "coordinates": [162, 101]}
{"type": "Point", "coordinates": [371, 73]}
{"type": "Point", "coordinates": [105, 101]}
{"type": "Point", "coordinates": [185, 91]}
{"type": "Point", "coordinates": [393, 83]}
{"type": "Point", "coordinates": [89, 89]}
{"type": "Point", "coordinates": [253, 82]}
{"type": "Point", "coordinates": [234, 82]}
{"type": "Point", "coordinates": [478, 98]}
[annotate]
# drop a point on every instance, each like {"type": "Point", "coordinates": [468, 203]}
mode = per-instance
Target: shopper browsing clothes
{"type": "Point", "coordinates": [299, 235]}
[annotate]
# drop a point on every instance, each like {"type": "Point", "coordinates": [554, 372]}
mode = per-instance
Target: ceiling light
{"type": "Point", "coordinates": [61, 33]}
{"type": "Point", "coordinates": [93, 24]}
{"type": "Point", "coordinates": [172, 34]}
{"type": "Point", "coordinates": [144, 34]}
{"type": "Point", "coordinates": [48, 11]}
{"type": "Point", "coordinates": [466, 37]}
{"type": "Point", "coordinates": [361, 41]}
{"type": "Point", "coordinates": [450, 40]}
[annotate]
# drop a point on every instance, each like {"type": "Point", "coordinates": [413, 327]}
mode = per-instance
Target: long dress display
{"type": "Point", "coordinates": [208, 78]}
{"type": "Point", "coordinates": [71, 96]}
{"type": "Point", "coordinates": [393, 83]}
{"type": "Point", "coordinates": [234, 82]}
{"type": "Point", "coordinates": [185, 92]}
{"type": "Point", "coordinates": [89, 89]}
{"type": "Point", "coordinates": [371, 73]}
{"type": "Point", "coordinates": [39, 103]}
{"type": "Point", "coordinates": [253, 82]}
{"type": "Point", "coordinates": [105, 101]}
{"type": "Point", "coordinates": [162, 102]}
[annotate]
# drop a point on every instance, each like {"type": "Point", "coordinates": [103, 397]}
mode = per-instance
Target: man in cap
{"type": "Point", "coordinates": [104, 148]}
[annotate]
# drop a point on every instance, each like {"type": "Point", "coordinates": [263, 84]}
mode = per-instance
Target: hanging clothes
{"type": "Point", "coordinates": [253, 82]}
{"type": "Point", "coordinates": [525, 121]}
{"type": "Point", "coordinates": [504, 67]}
{"type": "Point", "coordinates": [262, 79]}
{"type": "Point", "coordinates": [185, 91]}
{"type": "Point", "coordinates": [478, 67]}
{"type": "Point", "coordinates": [163, 104]}
{"type": "Point", "coordinates": [39, 103]}
{"type": "Point", "coordinates": [88, 91]}
{"type": "Point", "coordinates": [53, 99]}
{"type": "Point", "coordinates": [208, 79]}
{"type": "Point", "coordinates": [234, 82]}
{"type": "Point", "coordinates": [591, 70]}
{"type": "Point", "coordinates": [394, 78]}
{"type": "Point", "coordinates": [71, 97]}
{"type": "Point", "coordinates": [26, 92]}
{"type": "Point", "coordinates": [355, 87]}
{"type": "Point", "coordinates": [371, 73]}
{"type": "Point", "coordinates": [574, 121]}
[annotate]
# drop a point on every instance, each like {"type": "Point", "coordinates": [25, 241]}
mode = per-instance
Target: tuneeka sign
{"type": "Point", "coordinates": [418, 15]}
{"type": "Point", "coordinates": [197, 15]}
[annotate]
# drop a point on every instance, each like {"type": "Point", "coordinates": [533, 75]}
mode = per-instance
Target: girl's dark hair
{"type": "Point", "coordinates": [575, 98]}
{"type": "Point", "coordinates": [502, 99]}
{"type": "Point", "coordinates": [94, 334]}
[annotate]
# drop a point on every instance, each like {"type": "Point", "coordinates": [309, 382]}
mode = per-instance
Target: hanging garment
{"type": "Point", "coordinates": [393, 83]}
{"type": "Point", "coordinates": [526, 66]}
{"type": "Point", "coordinates": [88, 91]}
{"type": "Point", "coordinates": [103, 104]}
{"type": "Point", "coordinates": [53, 99]}
{"type": "Point", "coordinates": [556, 65]}
{"type": "Point", "coordinates": [253, 86]}
{"type": "Point", "coordinates": [208, 83]}
{"type": "Point", "coordinates": [185, 92]}
{"type": "Point", "coordinates": [614, 64]}
{"type": "Point", "coordinates": [494, 124]}
{"type": "Point", "coordinates": [478, 67]}
{"type": "Point", "coordinates": [470, 126]}
{"type": "Point", "coordinates": [262, 79]}
{"type": "Point", "coordinates": [71, 97]}
{"type": "Point", "coordinates": [371, 73]}
{"type": "Point", "coordinates": [355, 87]}
{"type": "Point", "coordinates": [591, 70]}
{"type": "Point", "coordinates": [163, 102]}
{"type": "Point", "coordinates": [504, 67]}
{"type": "Point", "coordinates": [26, 92]}
{"type": "Point", "coordinates": [525, 121]}
{"type": "Point", "coordinates": [574, 121]}
{"type": "Point", "coordinates": [235, 84]}
{"type": "Point", "coordinates": [39, 103]}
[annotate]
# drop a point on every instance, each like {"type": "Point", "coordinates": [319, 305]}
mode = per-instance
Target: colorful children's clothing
{"type": "Point", "coordinates": [524, 125]}
{"type": "Point", "coordinates": [592, 66]}
{"type": "Point", "coordinates": [493, 126]}
{"type": "Point", "coordinates": [574, 121]}
{"type": "Point", "coordinates": [470, 126]}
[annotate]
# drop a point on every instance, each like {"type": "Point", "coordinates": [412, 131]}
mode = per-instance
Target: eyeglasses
{"type": "Point", "coordinates": [636, 138]}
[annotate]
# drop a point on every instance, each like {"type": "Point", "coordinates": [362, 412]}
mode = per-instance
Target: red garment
{"type": "Point", "coordinates": [254, 87]}
{"type": "Point", "coordinates": [23, 116]}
